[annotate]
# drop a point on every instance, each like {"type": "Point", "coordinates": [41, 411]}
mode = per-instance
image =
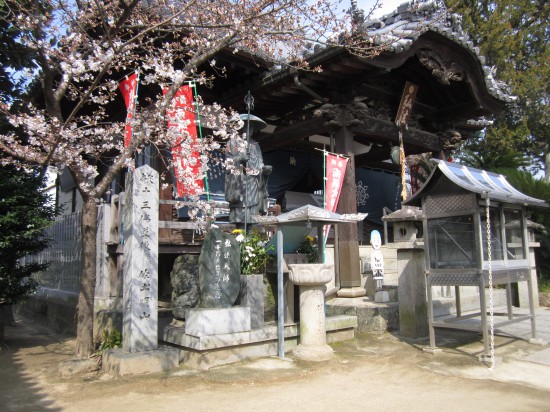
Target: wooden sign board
{"type": "Point", "coordinates": [406, 105]}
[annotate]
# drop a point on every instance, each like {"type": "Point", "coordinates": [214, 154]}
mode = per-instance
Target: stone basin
{"type": "Point", "coordinates": [311, 274]}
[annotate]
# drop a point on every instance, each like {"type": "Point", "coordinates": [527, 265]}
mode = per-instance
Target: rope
{"type": "Point", "coordinates": [403, 166]}
{"type": "Point", "coordinates": [491, 302]}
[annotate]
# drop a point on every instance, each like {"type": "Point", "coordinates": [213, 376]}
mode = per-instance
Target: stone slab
{"type": "Point", "coordinates": [219, 270]}
{"type": "Point", "coordinates": [351, 292]}
{"type": "Point", "coordinates": [217, 321]}
{"type": "Point", "coordinates": [214, 350]}
{"type": "Point", "coordinates": [119, 362]}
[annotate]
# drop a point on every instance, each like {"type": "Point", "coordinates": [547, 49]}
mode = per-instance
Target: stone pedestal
{"type": "Point", "coordinates": [413, 305]}
{"type": "Point", "coordinates": [381, 296]}
{"type": "Point", "coordinates": [312, 279]}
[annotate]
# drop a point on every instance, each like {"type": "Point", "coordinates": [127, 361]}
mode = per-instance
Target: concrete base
{"type": "Point", "coordinates": [217, 321]}
{"type": "Point", "coordinates": [313, 353]}
{"type": "Point", "coordinates": [352, 292]}
{"type": "Point", "coordinates": [539, 342]}
{"type": "Point", "coordinates": [433, 351]}
{"type": "Point", "coordinates": [209, 351]}
{"type": "Point", "coordinates": [486, 359]}
{"type": "Point", "coordinates": [119, 362]}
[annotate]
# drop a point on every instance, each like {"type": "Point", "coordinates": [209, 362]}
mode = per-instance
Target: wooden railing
{"type": "Point", "coordinates": [170, 228]}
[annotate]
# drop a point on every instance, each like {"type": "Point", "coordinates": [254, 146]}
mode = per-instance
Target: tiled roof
{"type": "Point", "coordinates": [400, 29]}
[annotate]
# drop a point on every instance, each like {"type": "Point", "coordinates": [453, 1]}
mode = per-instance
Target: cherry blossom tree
{"type": "Point", "coordinates": [81, 49]}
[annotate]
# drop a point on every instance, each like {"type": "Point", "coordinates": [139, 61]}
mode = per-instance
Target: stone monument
{"type": "Point", "coordinates": [140, 287]}
{"type": "Point", "coordinates": [219, 270]}
{"type": "Point", "coordinates": [184, 279]}
{"type": "Point", "coordinates": [219, 284]}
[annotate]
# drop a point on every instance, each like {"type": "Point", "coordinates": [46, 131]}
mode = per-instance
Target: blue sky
{"type": "Point", "coordinates": [387, 6]}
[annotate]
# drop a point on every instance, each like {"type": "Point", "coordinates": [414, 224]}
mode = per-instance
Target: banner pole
{"type": "Point", "coordinates": [198, 124]}
{"type": "Point", "coordinates": [326, 229]}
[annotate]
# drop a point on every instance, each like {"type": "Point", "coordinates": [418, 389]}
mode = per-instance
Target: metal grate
{"type": "Point", "coordinates": [452, 279]}
{"type": "Point", "coordinates": [63, 255]}
{"type": "Point", "coordinates": [437, 205]}
{"type": "Point", "coordinates": [451, 243]}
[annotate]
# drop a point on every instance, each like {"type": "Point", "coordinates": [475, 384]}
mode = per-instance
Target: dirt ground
{"type": "Point", "coordinates": [378, 373]}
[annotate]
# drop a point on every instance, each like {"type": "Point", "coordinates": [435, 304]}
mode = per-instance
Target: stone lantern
{"type": "Point", "coordinates": [407, 223]}
{"type": "Point", "coordinates": [311, 278]}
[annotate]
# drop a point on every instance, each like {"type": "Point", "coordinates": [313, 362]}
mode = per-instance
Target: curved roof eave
{"type": "Point", "coordinates": [400, 34]}
{"type": "Point", "coordinates": [398, 31]}
{"type": "Point", "coordinates": [487, 184]}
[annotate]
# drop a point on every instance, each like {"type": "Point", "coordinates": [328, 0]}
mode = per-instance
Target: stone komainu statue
{"type": "Point", "coordinates": [246, 190]}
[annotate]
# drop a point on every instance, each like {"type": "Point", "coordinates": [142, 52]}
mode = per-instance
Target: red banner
{"type": "Point", "coordinates": [128, 88]}
{"type": "Point", "coordinates": [186, 164]}
{"type": "Point", "coordinates": [336, 169]}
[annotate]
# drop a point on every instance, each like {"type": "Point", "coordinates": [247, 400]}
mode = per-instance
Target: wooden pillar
{"type": "Point", "coordinates": [342, 118]}
{"type": "Point", "coordinates": [348, 244]}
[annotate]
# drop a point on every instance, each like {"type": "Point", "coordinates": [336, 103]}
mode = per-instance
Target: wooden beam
{"type": "Point", "coordinates": [292, 133]}
{"type": "Point", "coordinates": [386, 95]}
{"type": "Point", "coordinates": [388, 131]}
{"type": "Point", "coordinates": [372, 127]}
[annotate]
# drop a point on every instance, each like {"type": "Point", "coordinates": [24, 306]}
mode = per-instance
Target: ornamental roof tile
{"type": "Point", "coordinates": [400, 29]}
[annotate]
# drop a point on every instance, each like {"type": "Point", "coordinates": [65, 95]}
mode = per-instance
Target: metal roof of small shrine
{"type": "Point", "coordinates": [309, 213]}
{"type": "Point", "coordinates": [491, 185]}
{"type": "Point", "coordinates": [406, 213]}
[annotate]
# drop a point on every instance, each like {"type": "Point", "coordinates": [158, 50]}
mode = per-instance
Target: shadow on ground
{"type": "Point", "coordinates": [27, 352]}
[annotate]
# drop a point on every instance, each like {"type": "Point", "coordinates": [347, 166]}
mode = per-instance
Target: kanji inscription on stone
{"type": "Point", "coordinates": [141, 211]}
{"type": "Point", "coordinates": [219, 270]}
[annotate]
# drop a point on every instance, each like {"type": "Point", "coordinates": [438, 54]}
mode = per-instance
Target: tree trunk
{"type": "Point", "coordinates": [85, 320]}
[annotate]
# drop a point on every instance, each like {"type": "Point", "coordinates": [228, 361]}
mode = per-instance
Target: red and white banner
{"type": "Point", "coordinates": [186, 162]}
{"type": "Point", "coordinates": [128, 88]}
{"type": "Point", "coordinates": [336, 169]}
